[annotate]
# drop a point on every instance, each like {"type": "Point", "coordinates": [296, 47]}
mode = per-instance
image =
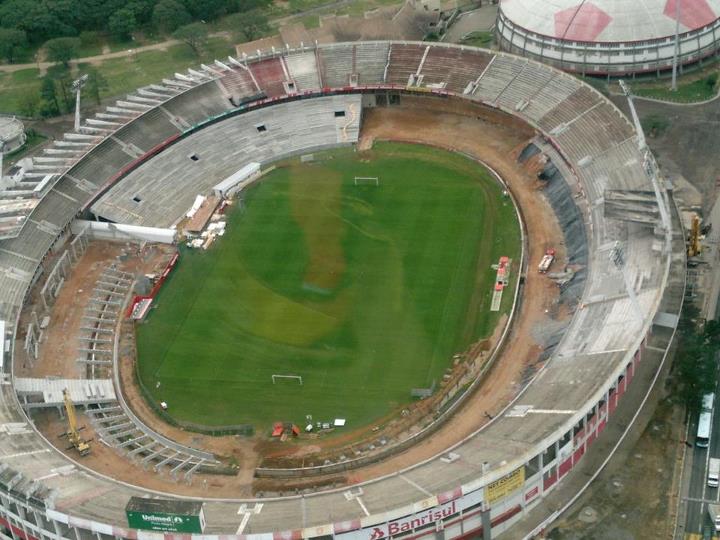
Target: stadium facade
{"type": "Point", "coordinates": [515, 467]}
{"type": "Point", "coordinates": [609, 37]}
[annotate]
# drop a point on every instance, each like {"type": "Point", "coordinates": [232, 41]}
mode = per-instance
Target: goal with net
{"type": "Point", "coordinates": [365, 180]}
{"type": "Point", "coordinates": [297, 378]}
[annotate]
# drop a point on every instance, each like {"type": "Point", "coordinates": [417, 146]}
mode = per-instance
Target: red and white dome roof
{"type": "Point", "coordinates": [610, 20]}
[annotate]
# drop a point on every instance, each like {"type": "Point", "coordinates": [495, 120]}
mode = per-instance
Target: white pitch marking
{"type": "Point", "coordinates": [22, 454]}
{"type": "Point", "coordinates": [359, 501]}
{"type": "Point", "coordinates": [243, 523]}
{"type": "Point", "coordinates": [416, 486]}
{"type": "Point", "coordinates": [247, 512]}
{"type": "Point", "coordinates": [60, 471]}
{"type": "Point", "coordinates": [551, 411]}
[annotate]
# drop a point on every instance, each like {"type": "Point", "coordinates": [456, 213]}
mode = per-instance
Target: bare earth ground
{"type": "Point", "coordinates": [58, 352]}
{"type": "Point", "coordinates": [492, 137]}
{"type": "Point", "coordinates": [632, 498]}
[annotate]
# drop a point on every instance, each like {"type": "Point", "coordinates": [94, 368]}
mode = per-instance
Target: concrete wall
{"type": "Point", "coordinates": [123, 233]}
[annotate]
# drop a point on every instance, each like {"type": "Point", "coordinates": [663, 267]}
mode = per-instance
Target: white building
{"type": "Point", "coordinates": [613, 37]}
{"type": "Point", "coordinates": [12, 134]}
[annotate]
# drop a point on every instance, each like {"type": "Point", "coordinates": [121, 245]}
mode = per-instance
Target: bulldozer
{"type": "Point", "coordinates": [73, 432]}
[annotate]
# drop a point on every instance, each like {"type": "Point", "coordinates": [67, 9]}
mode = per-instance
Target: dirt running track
{"type": "Point", "coordinates": [490, 136]}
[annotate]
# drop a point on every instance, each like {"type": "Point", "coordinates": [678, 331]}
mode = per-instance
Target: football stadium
{"type": "Point", "coordinates": [358, 290]}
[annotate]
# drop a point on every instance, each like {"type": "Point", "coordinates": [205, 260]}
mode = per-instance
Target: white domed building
{"type": "Point", "coordinates": [12, 134]}
{"type": "Point", "coordinates": [609, 37]}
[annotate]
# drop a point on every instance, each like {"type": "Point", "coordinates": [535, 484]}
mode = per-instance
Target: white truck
{"type": "Point", "coordinates": [546, 261]}
{"type": "Point", "coordinates": [713, 477]}
{"type": "Point", "coordinates": [714, 511]}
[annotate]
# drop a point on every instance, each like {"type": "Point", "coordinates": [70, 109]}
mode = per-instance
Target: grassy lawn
{"type": "Point", "coordinates": [687, 92]}
{"type": "Point", "coordinates": [365, 291]}
{"type": "Point", "coordinates": [311, 21]}
{"type": "Point", "coordinates": [123, 74]}
{"type": "Point", "coordinates": [13, 86]}
{"type": "Point", "coordinates": [128, 73]}
{"type": "Point", "coordinates": [478, 39]}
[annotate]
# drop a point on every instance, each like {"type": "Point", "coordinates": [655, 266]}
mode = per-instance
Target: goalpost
{"type": "Point", "coordinates": [367, 179]}
{"type": "Point", "coordinates": [296, 377]}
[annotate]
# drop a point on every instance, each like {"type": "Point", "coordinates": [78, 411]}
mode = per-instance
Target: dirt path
{"type": "Point", "coordinates": [96, 59]}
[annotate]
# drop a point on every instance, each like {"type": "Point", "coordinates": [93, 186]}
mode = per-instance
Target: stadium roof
{"type": "Point", "coordinates": [610, 20]}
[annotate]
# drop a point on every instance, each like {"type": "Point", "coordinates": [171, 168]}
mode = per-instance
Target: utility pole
{"type": "Point", "coordinates": [676, 53]}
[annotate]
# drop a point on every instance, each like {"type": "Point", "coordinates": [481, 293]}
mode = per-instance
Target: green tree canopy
{"type": "Point", "coordinates": [49, 105]}
{"type": "Point", "coordinates": [194, 34]}
{"type": "Point", "coordinates": [249, 25]}
{"type": "Point", "coordinates": [169, 15]}
{"type": "Point", "coordinates": [96, 84]}
{"type": "Point", "coordinates": [62, 50]}
{"type": "Point", "coordinates": [122, 23]}
{"type": "Point", "coordinates": [11, 40]}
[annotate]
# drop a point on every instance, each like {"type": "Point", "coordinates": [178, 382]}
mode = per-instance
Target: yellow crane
{"type": "Point", "coordinates": [694, 246]}
{"type": "Point", "coordinates": [73, 432]}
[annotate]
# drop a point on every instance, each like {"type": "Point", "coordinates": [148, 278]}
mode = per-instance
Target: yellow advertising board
{"type": "Point", "coordinates": [504, 486]}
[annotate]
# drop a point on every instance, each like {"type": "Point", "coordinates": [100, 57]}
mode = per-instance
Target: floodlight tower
{"type": "Point", "coordinates": [77, 86]}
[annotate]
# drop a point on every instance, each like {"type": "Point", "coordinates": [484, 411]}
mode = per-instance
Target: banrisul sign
{"type": "Point", "coordinates": [419, 520]}
{"type": "Point", "coordinates": [165, 515]}
{"type": "Point", "coordinates": [423, 520]}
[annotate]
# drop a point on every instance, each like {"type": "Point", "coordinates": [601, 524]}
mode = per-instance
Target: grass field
{"type": "Point", "coordinates": [365, 291]}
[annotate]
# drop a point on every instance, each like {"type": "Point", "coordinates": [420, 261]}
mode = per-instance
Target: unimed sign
{"type": "Point", "coordinates": [165, 522]}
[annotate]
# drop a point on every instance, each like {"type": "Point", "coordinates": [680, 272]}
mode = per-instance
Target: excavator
{"type": "Point", "coordinates": [73, 432]}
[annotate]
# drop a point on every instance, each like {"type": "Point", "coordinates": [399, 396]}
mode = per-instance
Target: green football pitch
{"type": "Point", "coordinates": [365, 291]}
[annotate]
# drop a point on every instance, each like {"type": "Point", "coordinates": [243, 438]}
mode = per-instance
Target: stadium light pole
{"type": "Point", "coordinates": [77, 86]}
{"type": "Point", "coordinates": [676, 52]}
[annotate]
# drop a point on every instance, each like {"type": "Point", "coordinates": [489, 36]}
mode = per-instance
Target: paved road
{"type": "Point", "coordinates": [699, 493]}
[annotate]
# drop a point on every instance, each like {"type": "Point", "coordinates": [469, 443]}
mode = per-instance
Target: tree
{"type": "Point", "coordinates": [40, 20]}
{"type": "Point", "coordinates": [207, 10]}
{"type": "Point", "coordinates": [96, 83]}
{"type": "Point", "coordinates": [29, 104]}
{"type": "Point", "coordinates": [250, 25]}
{"type": "Point", "coordinates": [62, 50]}
{"type": "Point", "coordinates": [50, 105]}
{"type": "Point", "coordinates": [194, 34]}
{"type": "Point", "coordinates": [63, 80]}
{"type": "Point", "coordinates": [122, 23]}
{"type": "Point", "coordinates": [142, 9]}
{"type": "Point", "coordinates": [11, 39]}
{"type": "Point", "coordinates": [248, 5]}
{"type": "Point", "coordinates": [169, 15]}
{"type": "Point", "coordinates": [89, 38]}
